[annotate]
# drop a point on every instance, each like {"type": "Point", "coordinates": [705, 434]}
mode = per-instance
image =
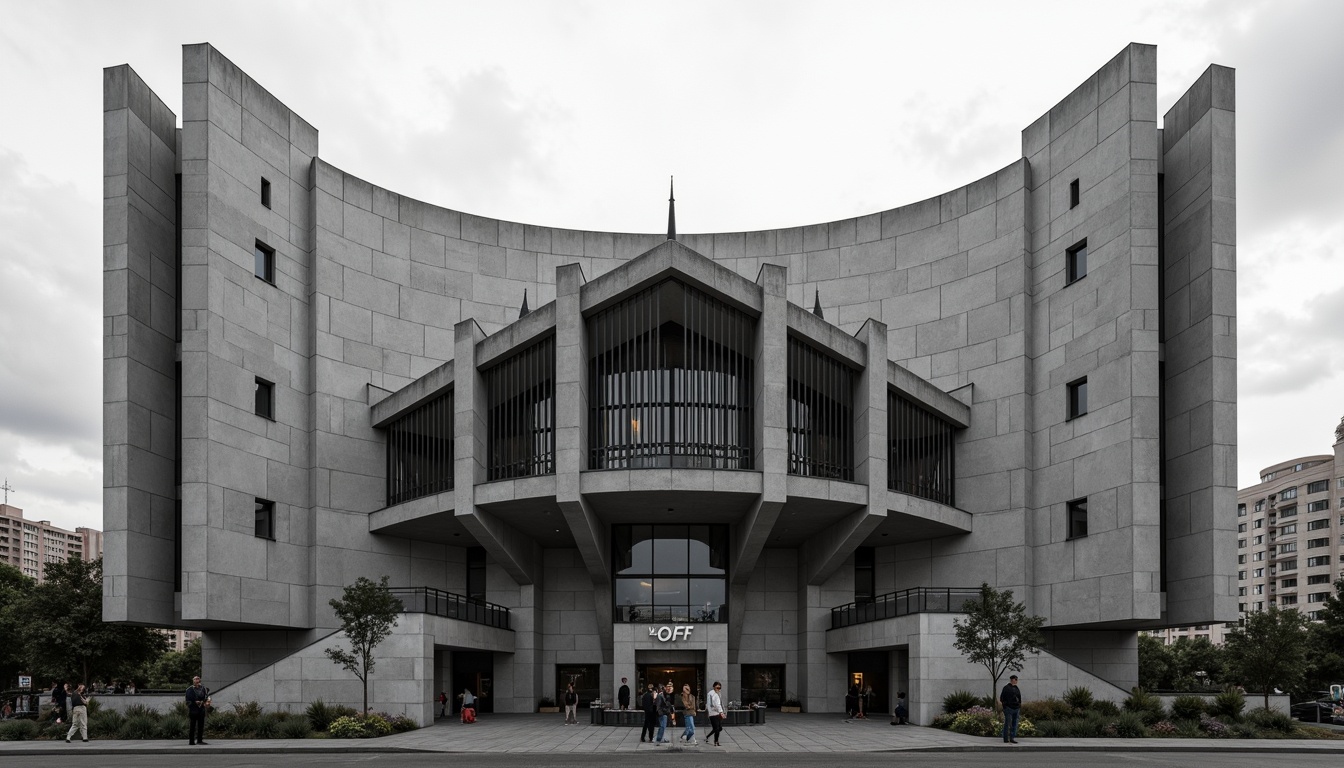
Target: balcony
{"type": "Point", "coordinates": [451, 606]}
{"type": "Point", "coordinates": [896, 604]}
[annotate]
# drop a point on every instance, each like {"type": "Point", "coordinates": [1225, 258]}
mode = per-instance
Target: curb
{"type": "Point", "coordinates": [211, 750]}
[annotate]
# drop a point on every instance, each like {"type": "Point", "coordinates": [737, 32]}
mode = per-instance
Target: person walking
{"type": "Point", "coordinates": [58, 700]}
{"type": "Point", "coordinates": [714, 708]}
{"type": "Point", "coordinates": [623, 695]}
{"type": "Point", "coordinates": [851, 702]}
{"type": "Point", "coordinates": [1011, 699]}
{"type": "Point", "coordinates": [443, 704]}
{"type": "Point", "coordinates": [688, 710]}
{"type": "Point", "coordinates": [79, 714]}
{"type": "Point", "coordinates": [198, 702]}
{"type": "Point", "coordinates": [571, 705]}
{"type": "Point", "coordinates": [901, 714]}
{"type": "Point", "coordinates": [666, 709]}
{"type": "Point", "coordinates": [647, 703]}
{"type": "Point", "coordinates": [468, 703]}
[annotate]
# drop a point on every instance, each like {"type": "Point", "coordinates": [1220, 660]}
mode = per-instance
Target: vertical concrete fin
{"type": "Point", "coordinates": [140, 313]}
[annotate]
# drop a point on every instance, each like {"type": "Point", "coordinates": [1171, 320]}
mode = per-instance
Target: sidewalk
{"type": "Point", "coordinates": [546, 734]}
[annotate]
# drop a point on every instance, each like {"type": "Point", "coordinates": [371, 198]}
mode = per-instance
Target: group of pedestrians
{"type": "Point", "coordinates": [71, 704]}
{"type": "Point", "coordinates": [661, 707]}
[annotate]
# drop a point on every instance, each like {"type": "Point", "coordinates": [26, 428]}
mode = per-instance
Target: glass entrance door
{"type": "Point", "coordinates": [679, 674]}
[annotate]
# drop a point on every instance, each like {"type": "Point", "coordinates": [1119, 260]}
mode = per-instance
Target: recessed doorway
{"type": "Point", "coordinates": [679, 674]}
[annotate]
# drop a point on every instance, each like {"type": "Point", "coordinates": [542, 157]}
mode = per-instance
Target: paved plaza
{"type": "Point", "coordinates": [547, 734]}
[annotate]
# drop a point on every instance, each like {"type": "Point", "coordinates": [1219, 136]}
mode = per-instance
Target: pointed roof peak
{"type": "Point", "coordinates": [523, 312]}
{"type": "Point", "coordinates": [671, 208]}
{"type": "Point", "coordinates": [816, 305]}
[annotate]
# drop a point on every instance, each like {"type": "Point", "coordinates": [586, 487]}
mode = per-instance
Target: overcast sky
{"type": "Point", "coordinates": [574, 115]}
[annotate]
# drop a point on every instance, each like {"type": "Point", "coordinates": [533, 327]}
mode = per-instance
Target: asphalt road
{"type": "Point", "coordinates": [996, 759]}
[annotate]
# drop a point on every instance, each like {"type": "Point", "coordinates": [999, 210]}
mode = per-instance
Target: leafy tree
{"type": "Point", "coordinates": [63, 634]}
{"type": "Point", "coordinates": [368, 613]}
{"type": "Point", "coordinates": [997, 633]}
{"type": "Point", "coordinates": [1157, 663]}
{"type": "Point", "coordinates": [1269, 649]}
{"type": "Point", "coordinates": [1326, 646]}
{"type": "Point", "coordinates": [175, 669]}
{"type": "Point", "coordinates": [14, 589]}
{"type": "Point", "coordinates": [1194, 655]}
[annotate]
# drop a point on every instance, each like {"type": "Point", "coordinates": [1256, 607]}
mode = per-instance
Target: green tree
{"type": "Point", "coordinates": [1157, 663]}
{"type": "Point", "coordinates": [63, 633]}
{"type": "Point", "coordinates": [997, 633]}
{"type": "Point", "coordinates": [14, 589]}
{"type": "Point", "coordinates": [1326, 646]}
{"type": "Point", "coordinates": [174, 669]}
{"type": "Point", "coordinates": [368, 613]}
{"type": "Point", "coordinates": [1195, 655]}
{"type": "Point", "coordinates": [1269, 650]}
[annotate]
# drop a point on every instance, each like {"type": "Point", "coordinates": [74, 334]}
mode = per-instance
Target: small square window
{"type": "Point", "coordinates": [265, 192]}
{"type": "Point", "coordinates": [1077, 518]}
{"type": "Point", "coordinates": [264, 402]}
{"type": "Point", "coordinates": [265, 519]}
{"type": "Point", "coordinates": [264, 264]}
{"type": "Point", "coordinates": [1076, 262]}
{"type": "Point", "coordinates": [1077, 398]}
{"type": "Point", "coordinates": [1073, 194]}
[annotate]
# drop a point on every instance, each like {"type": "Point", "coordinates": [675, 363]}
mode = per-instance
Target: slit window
{"type": "Point", "coordinates": [264, 399]}
{"type": "Point", "coordinates": [1077, 518]}
{"type": "Point", "coordinates": [264, 519]}
{"type": "Point", "coordinates": [1076, 262]}
{"type": "Point", "coordinates": [1073, 194]}
{"type": "Point", "coordinates": [264, 262]}
{"type": "Point", "coordinates": [266, 192]}
{"type": "Point", "coordinates": [1077, 398]}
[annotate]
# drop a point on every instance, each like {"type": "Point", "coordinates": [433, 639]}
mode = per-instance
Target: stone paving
{"type": "Point", "coordinates": [547, 734]}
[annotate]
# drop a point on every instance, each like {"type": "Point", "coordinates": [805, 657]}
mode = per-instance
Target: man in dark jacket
{"type": "Point", "coordinates": [666, 707]}
{"type": "Point", "coordinates": [623, 695]}
{"type": "Point", "coordinates": [1011, 699]}
{"type": "Point", "coordinates": [198, 702]}
{"type": "Point", "coordinates": [646, 703]}
{"type": "Point", "coordinates": [58, 699]}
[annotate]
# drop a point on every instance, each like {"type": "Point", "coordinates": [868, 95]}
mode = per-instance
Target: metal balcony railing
{"type": "Point", "coordinates": [903, 603]}
{"type": "Point", "coordinates": [450, 605]}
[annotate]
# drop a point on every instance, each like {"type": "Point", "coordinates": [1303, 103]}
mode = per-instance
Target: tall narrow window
{"type": "Point", "coordinates": [1077, 518]}
{"type": "Point", "coordinates": [420, 451]}
{"type": "Point", "coordinates": [865, 575]}
{"type": "Point", "coordinates": [1077, 398]}
{"type": "Point", "coordinates": [264, 262]}
{"type": "Point", "coordinates": [1073, 194]}
{"type": "Point", "coordinates": [821, 414]}
{"type": "Point", "coordinates": [266, 192]}
{"type": "Point", "coordinates": [264, 399]}
{"type": "Point", "coordinates": [264, 519]}
{"type": "Point", "coordinates": [1076, 262]}
{"type": "Point", "coordinates": [520, 423]}
{"type": "Point", "coordinates": [921, 456]}
{"type": "Point", "coordinates": [476, 573]}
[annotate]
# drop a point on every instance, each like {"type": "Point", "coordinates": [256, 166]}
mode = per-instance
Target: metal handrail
{"type": "Point", "coordinates": [903, 603]}
{"type": "Point", "coordinates": [451, 605]}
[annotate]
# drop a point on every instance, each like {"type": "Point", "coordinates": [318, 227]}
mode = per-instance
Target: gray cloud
{"type": "Point", "coordinates": [1279, 358]}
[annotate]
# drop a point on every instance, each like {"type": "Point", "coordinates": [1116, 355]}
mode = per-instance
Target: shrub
{"type": "Point", "coordinates": [1046, 709]}
{"type": "Point", "coordinates": [1187, 707]}
{"type": "Point", "coordinates": [1213, 728]}
{"type": "Point", "coordinates": [1229, 703]}
{"type": "Point", "coordinates": [221, 725]}
{"type": "Point", "coordinates": [267, 727]}
{"type": "Point", "coordinates": [959, 701]}
{"type": "Point", "coordinates": [247, 709]}
{"type": "Point", "coordinates": [1269, 720]}
{"type": "Point", "coordinates": [349, 727]}
{"type": "Point", "coordinates": [245, 727]}
{"type": "Point", "coordinates": [18, 730]}
{"type": "Point", "coordinates": [977, 721]}
{"type": "Point", "coordinates": [139, 727]}
{"type": "Point", "coordinates": [321, 714]}
{"type": "Point", "coordinates": [1078, 698]}
{"type": "Point", "coordinates": [402, 724]}
{"type": "Point", "coordinates": [140, 710]}
{"type": "Point", "coordinates": [172, 726]}
{"type": "Point", "coordinates": [1246, 731]}
{"type": "Point", "coordinates": [1130, 725]}
{"type": "Point", "coordinates": [296, 728]}
{"type": "Point", "coordinates": [1084, 727]}
{"type": "Point", "coordinates": [1052, 728]}
{"type": "Point", "coordinates": [377, 726]}
{"type": "Point", "coordinates": [1163, 728]}
{"type": "Point", "coordinates": [106, 724]}
{"type": "Point", "coordinates": [1105, 707]}
{"type": "Point", "coordinates": [943, 721]}
{"type": "Point", "coordinates": [1146, 705]}
{"type": "Point", "coordinates": [180, 708]}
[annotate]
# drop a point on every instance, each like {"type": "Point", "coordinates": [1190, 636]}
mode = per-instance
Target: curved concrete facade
{"type": "Point", "coordinates": [962, 302]}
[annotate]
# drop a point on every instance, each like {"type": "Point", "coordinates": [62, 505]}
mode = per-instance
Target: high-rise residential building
{"type": "Point", "coordinates": [30, 544]}
{"type": "Point", "coordinates": [779, 459]}
{"type": "Point", "coordinates": [1290, 533]}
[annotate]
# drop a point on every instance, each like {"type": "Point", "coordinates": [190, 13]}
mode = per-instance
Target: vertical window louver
{"type": "Point", "coordinates": [921, 457]}
{"type": "Point", "coordinates": [420, 451]}
{"type": "Point", "coordinates": [670, 382]}
{"type": "Point", "coordinates": [520, 392]}
{"type": "Point", "coordinates": [821, 414]}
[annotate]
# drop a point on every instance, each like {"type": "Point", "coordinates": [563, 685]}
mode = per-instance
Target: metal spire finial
{"type": "Point", "coordinates": [816, 305]}
{"type": "Point", "coordinates": [671, 209]}
{"type": "Point", "coordinates": [524, 311]}
{"type": "Point", "coordinates": [6, 488]}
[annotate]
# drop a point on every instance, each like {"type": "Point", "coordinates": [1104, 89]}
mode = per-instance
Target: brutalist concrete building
{"type": "Point", "coordinates": [780, 459]}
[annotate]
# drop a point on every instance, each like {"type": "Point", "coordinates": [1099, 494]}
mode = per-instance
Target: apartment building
{"type": "Point", "coordinates": [30, 544]}
{"type": "Point", "coordinates": [1290, 533]}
